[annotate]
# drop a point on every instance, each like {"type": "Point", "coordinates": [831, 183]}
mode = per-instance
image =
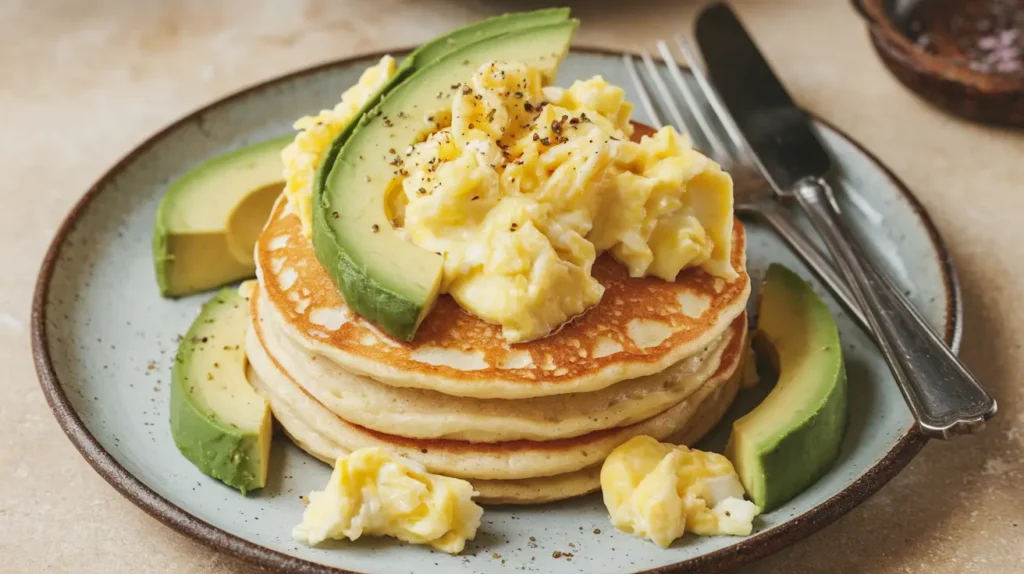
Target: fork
{"type": "Point", "coordinates": [753, 195]}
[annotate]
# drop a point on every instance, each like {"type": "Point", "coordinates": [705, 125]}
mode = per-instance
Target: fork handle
{"type": "Point", "coordinates": [945, 399]}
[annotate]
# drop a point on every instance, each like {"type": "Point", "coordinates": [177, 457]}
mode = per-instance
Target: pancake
{"type": "Point", "coordinates": [419, 413]}
{"type": "Point", "coordinates": [641, 327]}
{"type": "Point", "coordinates": [507, 460]}
{"type": "Point", "coordinates": [522, 491]}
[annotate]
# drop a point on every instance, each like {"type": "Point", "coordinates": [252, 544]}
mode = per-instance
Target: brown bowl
{"type": "Point", "coordinates": [965, 56]}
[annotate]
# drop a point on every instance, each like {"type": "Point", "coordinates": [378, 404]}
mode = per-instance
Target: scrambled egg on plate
{"type": "Point", "coordinates": [522, 186]}
{"type": "Point", "coordinates": [375, 492]}
{"type": "Point", "coordinates": [660, 491]}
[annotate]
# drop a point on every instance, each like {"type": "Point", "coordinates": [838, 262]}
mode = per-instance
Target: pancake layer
{"type": "Point", "coordinates": [420, 413]}
{"type": "Point", "coordinates": [506, 460]}
{"type": "Point", "coordinates": [640, 328]}
{"type": "Point", "coordinates": [522, 491]}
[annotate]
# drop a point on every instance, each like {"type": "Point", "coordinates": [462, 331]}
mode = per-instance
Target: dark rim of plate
{"type": "Point", "coordinates": [744, 550]}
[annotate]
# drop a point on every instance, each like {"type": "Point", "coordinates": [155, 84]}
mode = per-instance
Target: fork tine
{"type": "Point", "coordinates": [666, 96]}
{"type": "Point", "coordinates": [718, 148]}
{"type": "Point", "coordinates": [711, 95]}
{"type": "Point", "coordinates": [641, 90]}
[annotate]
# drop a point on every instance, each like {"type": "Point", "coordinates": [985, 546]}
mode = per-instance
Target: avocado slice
{"type": "Point", "coordinates": [384, 278]}
{"type": "Point", "coordinates": [217, 420]}
{"type": "Point", "coordinates": [208, 221]}
{"type": "Point", "coordinates": [793, 437]}
{"type": "Point", "coordinates": [428, 54]}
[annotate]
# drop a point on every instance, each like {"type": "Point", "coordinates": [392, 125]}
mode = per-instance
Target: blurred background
{"type": "Point", "coordinates": [83, 82]}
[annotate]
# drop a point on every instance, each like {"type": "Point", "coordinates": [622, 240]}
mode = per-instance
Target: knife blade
{"type": "Point", "coordinates": [778, 131]}
{"type": "Point", "coordinates": [944, 397]}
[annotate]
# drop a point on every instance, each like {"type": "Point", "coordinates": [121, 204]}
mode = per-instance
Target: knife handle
{"type": "Point", "coordinates": [945, 399]}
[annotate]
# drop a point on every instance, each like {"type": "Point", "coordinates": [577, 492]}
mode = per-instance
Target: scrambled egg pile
{"type": "Point", "coordinates": [375, 492]}
{"type": "Point", "coordinates": [301, 157]}
{"type": "Point", "coordinates": [659, 491]}
{"type": "Point", "coordinates": [521, 187]}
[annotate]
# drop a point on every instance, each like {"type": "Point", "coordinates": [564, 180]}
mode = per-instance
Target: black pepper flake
{"type": "Point", "coordinates": [392, 150]}
{"type": "Point", "coordinates": [490, 115]}
{"type": "Point", "coordinates": [387, 122]}
{"type": "Point", "coordinates": [513, 227]}
{"type": "Point", "coordinates": [545, 141]}
{"type": "Point", "coordinates": [455, 86]}
{"type": "Point", "coordinates": [475, 197]}
{"type": "Point", "coordinates": [528, 107]}
{"type": "Point", "coordinates": [466, 91]}
{"type": "Point", "coordinates": [471, 126]}
{"type": "Point", "coordinates": [375, 228]}
{"type": "Point", "coordinates": [536, 137]}
{"type": "Point", "coordinates": [335, 214]}
{"type": "Point", "coordinates": [422, 191]}
{"type": "Point", "coordinates": [519, 95]}
{"type": "Point", "coordinates": [574, 121]}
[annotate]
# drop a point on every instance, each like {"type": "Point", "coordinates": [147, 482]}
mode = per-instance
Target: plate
{"type": "Point", "coordinates": [104, 342]}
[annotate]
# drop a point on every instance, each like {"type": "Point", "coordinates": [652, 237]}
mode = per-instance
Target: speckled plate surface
{"type": "Point", "coordinates": [104, 341]}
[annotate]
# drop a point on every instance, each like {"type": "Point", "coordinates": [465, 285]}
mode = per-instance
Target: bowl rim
{"type": "Point", "coordinates": [888, 38]}
{"type": "Point", "coordinates": [745, 550]}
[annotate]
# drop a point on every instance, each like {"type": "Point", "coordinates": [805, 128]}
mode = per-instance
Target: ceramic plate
{"type": "Point", "coordinates": [104, 341]}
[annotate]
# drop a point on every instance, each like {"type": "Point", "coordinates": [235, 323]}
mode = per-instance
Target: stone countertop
{"type": "Point", "coordinates": [81, 83]}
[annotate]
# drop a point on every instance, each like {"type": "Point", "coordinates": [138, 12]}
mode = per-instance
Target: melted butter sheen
{"type": "Point", "coordinates": [522, 187]}
{"type": "Point", "coordinates": [375, 492]}
{"type": "Point", "coordinates": [660, 491]}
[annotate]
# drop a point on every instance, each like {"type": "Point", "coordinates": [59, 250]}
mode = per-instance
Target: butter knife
{"type": "Point", "coordinates": [944, 397]}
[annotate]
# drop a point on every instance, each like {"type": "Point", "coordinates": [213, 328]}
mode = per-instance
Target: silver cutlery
{"type": "Point", "coordinates": [774, 155]}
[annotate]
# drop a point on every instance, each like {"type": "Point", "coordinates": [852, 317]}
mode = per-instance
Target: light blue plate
{"type": "Point", "coordinates": [104, 341]}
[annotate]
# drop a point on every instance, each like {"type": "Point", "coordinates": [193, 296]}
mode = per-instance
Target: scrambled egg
{"type": "Point", "coordinates": [659, 491]}
{"type": "Point", "coordinates": [521, 187]}
{"type": "Point", "coordinates": [375, 492]}
{"type": "Point", "coordinates": [300, 157]}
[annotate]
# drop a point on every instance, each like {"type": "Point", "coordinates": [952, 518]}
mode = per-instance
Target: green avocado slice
{"type": "Point", "coordinates": [793, 437]}
{"type": "Point", "coordinates": [429, 53]}
{"type": "Point", "coordinates": [383, 277]}
{"type": "Point", "coordinates": [209, 218]}
{"type": "Point", "coordinates": [218, 421]}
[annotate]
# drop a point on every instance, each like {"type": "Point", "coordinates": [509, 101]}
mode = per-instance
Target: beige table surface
{"type": "Point", "coordinates": [81, 82]}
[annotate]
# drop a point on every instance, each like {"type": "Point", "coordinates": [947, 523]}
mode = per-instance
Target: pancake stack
{"type": "Point", "coordinates": [524, 423]}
